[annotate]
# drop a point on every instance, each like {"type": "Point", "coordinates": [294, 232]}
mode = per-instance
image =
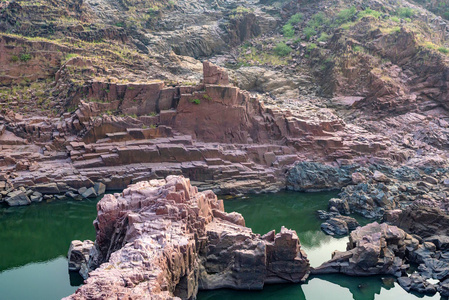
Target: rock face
{"type": "Point", "coordinates": [79, 257]}
{"type": "Point", "coordinates": [372, 249]}
{"type": "Point", "coordinates": [422, 220]}
{"type": "Point", "coordinates": [214, 74]}
{"type": "Point", "coordinates": [311, 176]}
{"type": "Point", "coordinates": [165, 238]}
{"type": "Point", "coordinates": [339, 225]}
{"type": "Point", "coordinates": [417, 283]}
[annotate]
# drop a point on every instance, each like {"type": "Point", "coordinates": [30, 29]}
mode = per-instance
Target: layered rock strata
{"type": "Point", "coordinates": [214, 133]}
{"type": "Point", "coordinates": [162, 239]}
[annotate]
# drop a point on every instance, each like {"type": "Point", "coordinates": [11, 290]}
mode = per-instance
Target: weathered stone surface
{"type": "Point", "coordinates": [99, 188]}
{"type": "Point", "coordinates": [89, 193]}
{"type": "Point", "coordinates": [422, 220]}
{"type": "Point", "coordinates": [339, 225]}
{"type": "Point", "coordinates": [78, 256]}
{"type": "Point", "coordinates": [340, 205]}
{"type": "Point", "coordinates": [47, 188]}
{"type": "Point", "coordinates": [311, 176]}
{"type": "Point", "coordinates": [369, 199]}
{"type": "Point", "coordinates": [417, 283]}
{"type": "Point", "coordinates": [164, 239]}
{"type": "Point", "coordinates": [214, 74]}
{"type": "Point", "coordinates": [372, 249]}
{"type": "Point", "coordinates": [17, 198]}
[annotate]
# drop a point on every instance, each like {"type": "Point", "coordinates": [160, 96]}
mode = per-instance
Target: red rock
{"type": "Point", "coordinates": [164, 239]}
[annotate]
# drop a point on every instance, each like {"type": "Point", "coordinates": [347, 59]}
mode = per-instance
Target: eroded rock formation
{"type": "Point", "coordinates": [372, 249]}
{"type": "Point", "coordinates": [163, 239]}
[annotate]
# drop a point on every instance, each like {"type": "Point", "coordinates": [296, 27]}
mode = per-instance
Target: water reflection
{"type": "Point", "coordinates": [35, 240]}
{"type": "Point", "coordinates": [41, 232]}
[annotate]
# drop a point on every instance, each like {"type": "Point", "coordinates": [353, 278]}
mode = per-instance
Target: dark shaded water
{"type": "Point", "coordinates": [34, 241]}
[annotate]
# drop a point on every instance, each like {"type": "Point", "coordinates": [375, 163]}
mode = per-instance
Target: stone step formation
{"type": "Point", "coordinates": [214, 133]}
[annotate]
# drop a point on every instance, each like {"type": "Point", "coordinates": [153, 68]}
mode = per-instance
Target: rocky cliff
{"type": "Point", "coordinates": [162, 239]}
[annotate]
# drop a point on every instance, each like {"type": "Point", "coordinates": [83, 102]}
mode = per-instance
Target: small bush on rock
{"type": "Point", "coordinates": [282, 49]}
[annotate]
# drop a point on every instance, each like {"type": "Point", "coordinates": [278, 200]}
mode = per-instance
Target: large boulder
{"type": "Point", "coordinates": [17, 198]}
{"type": "Point", "coordinates": [372, 249]}
{"type": "Point", "coordinates": [339, 225]}
{"type": "Point", "coordinates": [369, 199]}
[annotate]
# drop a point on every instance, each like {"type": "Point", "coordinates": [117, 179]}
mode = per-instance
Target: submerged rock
{"type": "Point", "coordinates": [162, 239]}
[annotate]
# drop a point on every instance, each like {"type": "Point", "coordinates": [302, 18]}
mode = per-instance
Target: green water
{"type": "Point", "coordinates": [34, 241]}
{"type": "Point", "coordinates": [297, 211]}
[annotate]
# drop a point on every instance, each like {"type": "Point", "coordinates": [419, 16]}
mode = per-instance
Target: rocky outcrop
{"type": "Point", "coordinates": [339, 225]}
{"type": "Point", "coordinates": [78, 257]}
{"type": "Point", "coordinates": [311, 176]}
{"type": "Point", "coordinates": [416, 283]}
{"type": "Point", "coordinates": [165, 238]}
{"type": "Point", "coordinates": [372, 249]}
{"type": "Point", "coordinates": [422, 220]}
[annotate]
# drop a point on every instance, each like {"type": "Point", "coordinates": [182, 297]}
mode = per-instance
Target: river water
{"type": "Point", "coordinates": [34, 241]}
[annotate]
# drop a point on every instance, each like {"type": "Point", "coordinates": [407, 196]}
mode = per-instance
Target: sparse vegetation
{"type": "Point", "coordinates": [323, 37]}
{"type": "Point", "coordinates": [346, 15]}
{"type": "Point", "coordinates": [309, 32]}
{"type": "Point", "coordinates": [25, 57]}
{"type": "Point", "coordinates": [443, 50]}
{"type": "Point", "coordinates": [239, 12]}
{"type": "Point", "coordinates": [296, 18]}
{"type": "Point", "coordinates": [369, 12]}
{"type": "Point", "coordinates": [196, 101]}
{"type": "Point", "coordinates": [405, 12]}
{"type": "Point", "coordinates": [282, 49]}
{"type": "Point", "coordinates": [311, 46]}
{"type": "Point", "coordinates": [288, 30]}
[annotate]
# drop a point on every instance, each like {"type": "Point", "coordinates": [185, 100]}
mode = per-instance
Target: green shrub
{"type": "Point", "coordinates": [369, 12]}
{"type": "Point", "coordinates": [296, 18]}
{"type": "Point", "coordinates": [282, 49]}
{"type": "Point", "coordinates": [446, 15]}
{"type": "Point", "coordinates": [346, 15]}
{"type": "Point", "coordinates": [195, 101]}
{"type": "Point", "coordinates": [395, 19]}
{"type": "Point", "coordinates": [443, 50]}
{"type": "Point", "coordinates": [309, 32]}
{"type": "Point", "coordinates": [14, 58]}
{"type": "Point", "coordinates": [288, 31]}
{"type": "Point", "coordinates": [356, 48]}
{"type": "Point", "coordinates": [323, 37]}
{"type": "Point", "coordinates": [311, 46]}
{"type": "Point", "coordinates": [405, 12]}
{"type": "Point", "coordinates": [25, 57]}
{"type": "Point", "coordinates": [317, 20]}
